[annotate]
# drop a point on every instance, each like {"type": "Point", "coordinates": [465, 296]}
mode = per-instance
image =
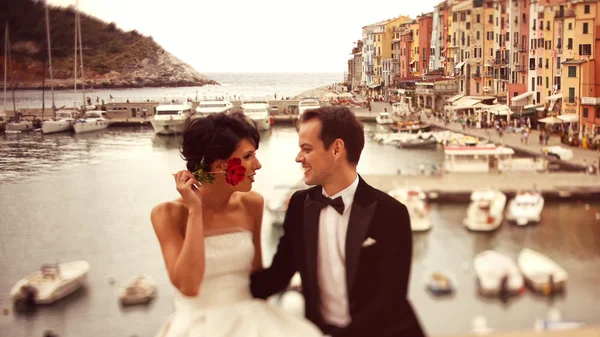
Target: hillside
{"type": "Point", "coordinates": [112, 57]}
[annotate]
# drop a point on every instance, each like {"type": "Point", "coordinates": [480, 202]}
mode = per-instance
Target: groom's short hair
{"type": "Point", "coordinates": [339, 122]}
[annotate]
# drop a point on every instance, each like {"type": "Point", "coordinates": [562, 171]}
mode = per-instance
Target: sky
{"type": "Point", "coordinates": [253, 36]}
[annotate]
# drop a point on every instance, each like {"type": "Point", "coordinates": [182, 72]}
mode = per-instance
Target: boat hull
{"type": "Point", "coordinates": [89, 126]}
{"type": "Point", "coordinates": [20, 126]}
{"type": "Point", "coordinates": [56, 126]}
{"type": "Point", "coordinates": [490, 267]}
{"type": "Point", "coordinates": [537, 268]}
{"type": "Point", "coordinates": [479, 221]}
{"type": "Point", "coordinates": [262, 124]}
{"type": "Point", "coordinates": [168, 127]}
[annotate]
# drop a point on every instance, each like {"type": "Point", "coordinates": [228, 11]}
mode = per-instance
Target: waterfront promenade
{"type": "Point", "coordinates": [593, 331]}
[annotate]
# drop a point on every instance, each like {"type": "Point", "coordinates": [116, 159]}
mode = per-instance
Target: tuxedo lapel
{"type": "Point", "coordinates": [363, 208]}
{"type": "Point", "coordinates": [312, 211]}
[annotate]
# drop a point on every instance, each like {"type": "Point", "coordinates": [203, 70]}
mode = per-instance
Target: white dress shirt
{"type": "Point", "coordinates": [331, 261]}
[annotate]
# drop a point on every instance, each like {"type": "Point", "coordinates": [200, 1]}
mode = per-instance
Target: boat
{"type": "Point", "coordinates": [480, 158]}
{"type": "Point", "coordinates": [410, 127]}
{"type": "Point", "coordinates": [19, 125]}
{"type": "Point", "coordinates": [257, 109]}
{"type": "Point", "coordinates": [497, 274]}
{"type": "Point", "coordinates": [52, 283]}
{"type": "Point", "coordinates": [541, 273]}
{"type": "Point", "coordinates": [401, 108]}
{"type": "Point", "coordinates": [62, 122]}
{"type": "Point", "coordinates": [171, 119]}
{"type": "Point", "coordinates": [415, 201]}
{"type": "Point", "coordinates": [211, 106]}
{"type": "Point", "coordinates": [439, 284]}
{"type": "Point", "coordinates": [525, 208]}
{"type": "Point", "coordinates": [140, 289]}
{"type": "Point", "coordinates": [419, 142]}
{"type": "Point", "coordinates": [278, 205]}
{"type": "Point", "coordinates": [307, 103]}
{"type": "Point", "coordinates": [485, 211]}
{"type": "Point", "coordinates": [94, 120]}
{"type": "Point", "coordinates": [384, 118]}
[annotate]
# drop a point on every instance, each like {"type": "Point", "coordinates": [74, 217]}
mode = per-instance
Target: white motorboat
{"type": "Point", "coordinates": [497, 274]}
{"type": "Point", "coordinates": [94, 120]}
{"type": "Point", "coordinates": [415, 200]}
{"type": "Point", "coordinates": [141, 289]}
{"type": "Point", "coordinates": [485, 212]}
{"type": "Point", "coordinates": [474, 158]}
{"type": "Point", "coordinates": [62, 122]}
{"type": "Point", "coordinates": [207, 107]}
{"type": "Point", "coordinates": [257, 110]}
{"type": "Point", "coordinates": [307, 103]}
{"type": "Point", "coordinates": [171, 119]}
{"type": "Point", "coordinates": [384, 118]}
{"type": "Point", "coordinates": [541, 273]}
{"type": "Point", "coordinates": [51, 283]}
{"type": "Point", "coordinates": [525, 207]}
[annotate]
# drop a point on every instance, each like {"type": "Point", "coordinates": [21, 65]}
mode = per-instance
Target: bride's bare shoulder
{"type": "Point", "coordinates": [252, 199]}
{"type": "Point", "coordinates": [168, 210]}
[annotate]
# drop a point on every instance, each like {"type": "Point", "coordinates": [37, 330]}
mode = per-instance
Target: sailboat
{"type": "Point", "coordinates": [94, 120]}
{"type": "Point", "coordinates": [63, 120]}
{"type": "Point", "coordinates": [18, 125]}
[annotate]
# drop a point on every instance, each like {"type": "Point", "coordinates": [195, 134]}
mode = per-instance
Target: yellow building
{"type": "Point", "coordinates": [546, 31]}
{"type": "Point", "coordinates": [578, 73]}
{"type": "Point", "coordinates": [488, 48]}
{"type": "Point", "coordinates": [378, 48]}
{"type": "Point", "coordinates": [415, 69]}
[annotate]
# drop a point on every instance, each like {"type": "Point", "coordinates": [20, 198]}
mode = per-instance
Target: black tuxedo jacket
{"type": "Point", "coordinates": [376, 276]}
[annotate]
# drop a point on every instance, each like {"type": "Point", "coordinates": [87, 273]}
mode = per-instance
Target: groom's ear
{"type": "Point", "coordinates": [338, 146]}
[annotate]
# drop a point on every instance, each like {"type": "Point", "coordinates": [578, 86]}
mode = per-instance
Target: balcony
{"type": "Point", "coordinates": [571, 101]}
{"type": "Point", "coordinates": [522, 48]}
{"type": "Point", "coordinates": [521, 68]}
{"type": "Point", "coordinates": [565, 14]}
{"type": "Point", "coordinates": [476, 76]}
{"type": "Point", "coordinates": [488, 74]}
{"type": "Point", "coordinates": [590, 100]}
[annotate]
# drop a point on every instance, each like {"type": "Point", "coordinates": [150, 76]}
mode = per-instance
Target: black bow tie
{"type": "Point", "coordinates": [337, 203]}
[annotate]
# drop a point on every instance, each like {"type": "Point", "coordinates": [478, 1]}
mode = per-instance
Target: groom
{"type": "Point", "coordinates": [351, 243]}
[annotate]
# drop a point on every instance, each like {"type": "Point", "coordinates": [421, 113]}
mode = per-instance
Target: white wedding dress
{"type": "Point", "coordinates": [225, 307]}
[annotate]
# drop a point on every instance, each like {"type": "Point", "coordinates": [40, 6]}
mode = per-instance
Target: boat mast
{"type": "Point", "coordinates": [81, 55]}
{"type": "Point", "coordinates": [50, 60]}
{"type": "Point", "coordinates": [75, 68]}
{"type": "Point", "coordinates": [5, 62]}
{"type": "Point", "coordinates": [12, 80]}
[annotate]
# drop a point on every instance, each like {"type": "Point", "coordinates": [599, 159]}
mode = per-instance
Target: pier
{"type": "Point", "coordinates": [454, 187]}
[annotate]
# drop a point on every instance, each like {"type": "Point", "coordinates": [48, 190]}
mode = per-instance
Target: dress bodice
{"type": "Point", "coordinates": [227, 272]}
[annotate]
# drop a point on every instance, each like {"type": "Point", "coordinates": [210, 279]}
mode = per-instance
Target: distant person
{"type": "Point", "coordinates": [210, 238]}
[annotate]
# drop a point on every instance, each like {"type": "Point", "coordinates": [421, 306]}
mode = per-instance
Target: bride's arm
{"type": "Point", "coordinates": [254, 202]}
{"type": "Point", "coordinates": [184, 256]}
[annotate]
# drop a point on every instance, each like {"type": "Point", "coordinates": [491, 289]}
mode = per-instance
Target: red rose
{"type": "Point", "coordinates": [235, 171]}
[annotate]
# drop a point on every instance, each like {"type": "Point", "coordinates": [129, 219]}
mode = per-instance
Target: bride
{"type": "Point", "coordinates": [210, 237]}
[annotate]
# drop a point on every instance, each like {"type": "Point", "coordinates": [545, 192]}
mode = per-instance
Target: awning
{"type": "Point", "coordinates": [528, 113]}
{"type": "Point", "coordinates": [459, 65]}
{"type": "Point", "coordinates": [454, 98]}
{"type": "Point", "coordinates": [521, 96]}
{"type": "Point", "coordinates": [569, 118]}
{"type": "Point", "coordinates": [550, 120]}
{"type": "Point", "coordinates": [466, 101]}
{"type": "Point", "coordinates": [530, 106]}
{"type": "Point", "coordinates": [412, 62]}
{"type": "Point", "coordinates": [499, 109]}
{"type": "Point", "coordinates": [373, 85]}
{"type": "Point", "coordinates": [554, 97]}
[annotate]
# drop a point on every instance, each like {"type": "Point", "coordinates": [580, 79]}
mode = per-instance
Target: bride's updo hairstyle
{"type": "Point", "coordinates": [215, 137]}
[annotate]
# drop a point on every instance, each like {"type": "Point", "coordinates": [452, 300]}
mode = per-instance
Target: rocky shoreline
{"type": "Point", "coordinates": [114, 84]}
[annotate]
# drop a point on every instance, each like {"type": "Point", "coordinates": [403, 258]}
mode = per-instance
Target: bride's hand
{"type": "Point", "coordinates": [185, 181]}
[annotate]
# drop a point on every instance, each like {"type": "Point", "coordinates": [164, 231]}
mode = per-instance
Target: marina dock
{"type": "Point", "coordinates": [453, 187]}
{"type": "Point", "coordinates": [584, 332]}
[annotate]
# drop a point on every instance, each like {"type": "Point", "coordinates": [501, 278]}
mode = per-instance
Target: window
{"type": "Point", "coordinates": [571, 95]}
{"type": "Point", "coordinates": [539, 81]}
{"type": "Point", "coordinates": [478, 18]}
{"type": "Point", "coordinates": [478, 35]}
{"type": "Point", "coordinates": [585, 49]}
{"type": "Point", "coordinates": [454, 17]}
{"type": "Point", "coordinates": [585, 28]}
{"type": "Point", "coordinates": [570, 26]}
{"type": "Point", "coordinates": [468, 25]}
{"type": "Point", "coordinates": [586, 9]}
{"type": "Point", "coordinates": [538, 97]}
{"type": "Point", "coordinates": [533, 83]}
{"type": "Point", "coordinates": [462, 85]}
{"type": "Point", "coordinates": [598, 113]}
{"type": "Point", "coordinates": [585, 112]}
{"type": "Point", "coordinates": [572, 71]}
{"type": "Point", "coordinates": [491, 19]}
{"type": "Point", "coordinates": [477, 87]}
{"type": "Point", "coordinates": [547, 82]}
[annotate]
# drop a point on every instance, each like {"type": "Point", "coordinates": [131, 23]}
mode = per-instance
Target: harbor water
{"type": "Point", "coordinates": [88, 196]}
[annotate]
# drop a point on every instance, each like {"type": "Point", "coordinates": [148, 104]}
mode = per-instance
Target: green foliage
{"type": "Point", "coordinates": [106, 47]}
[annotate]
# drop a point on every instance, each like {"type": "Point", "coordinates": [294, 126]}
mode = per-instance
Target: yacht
{"type": "Point", "coordinates": [63, 121]}
{"type": "Point", "coordinates": [212, 106]}
{"type": "Point", "coordinates": [525, 207]}
{"type": "Point", "coordinates": [94, 120]}
{"type": "Point", "coordinates": [415, 200]}
{"type": "Point", "coordinates": [257, 110]}
{"type": "Point", "coordinates": [485, 210]}
{"type": "Point", "coordinates": [170, 119]}
{"type": "Point", "coordinates": [307, 103]}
